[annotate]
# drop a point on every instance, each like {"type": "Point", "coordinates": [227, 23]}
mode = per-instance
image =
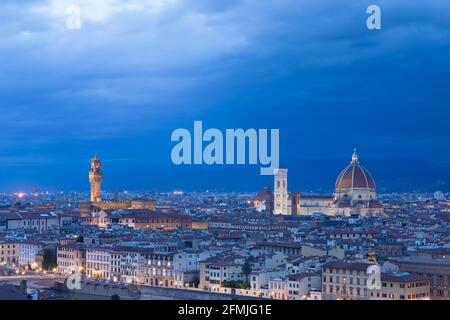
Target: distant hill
{"type": "Point", "coordinates": [389, 174]}
{"type": "Point", "coordinates": [306, 175]}
{"type": "Point", "coordinates": [315, 175]}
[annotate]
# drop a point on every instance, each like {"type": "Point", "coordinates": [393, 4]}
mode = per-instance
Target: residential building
{"type": "Point", "coordinates": [71, 257]}
{"type": "Point", "coordinates": [9, 253]}
{"type": "Point", "coordinates": [28, 250]}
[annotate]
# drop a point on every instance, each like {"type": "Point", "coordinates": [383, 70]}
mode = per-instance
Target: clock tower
{"type": "Point", "coordinates": [95, 179]}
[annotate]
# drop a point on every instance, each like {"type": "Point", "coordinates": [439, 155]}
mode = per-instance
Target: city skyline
{"type": "Point", "coordinates": [308, 175]}
{"type": "Point", "coordinates": [228, 155]}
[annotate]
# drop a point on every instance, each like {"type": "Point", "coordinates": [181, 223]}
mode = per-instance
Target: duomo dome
{"type": "Point", "coordinates": [355, 189]}
{"type": "Point", "coordinates": [354, 176]}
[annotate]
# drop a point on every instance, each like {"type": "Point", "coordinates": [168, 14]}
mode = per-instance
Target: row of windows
{"type": "Point", "coordinates": [338, 289]}
{"type": "Point", "coordinates": [161, 272]}
{"type": "Point", "coordinates": [297, 285]}
{"type": "Point", "coordinates": [277, 285]}
{"type": "Point", "coordinates": [157, 282]}
{"type": "Point", "coordinates": [162, 257]}
{"type": "Point", "coordinates": [8, 246]}
{"type": "Point", "coordinates": [412, 284]}
{"type": "Point", "coordinates": [101, 274]}
{"type": "Point", "coordinates": [150, 221]}
{"type": "Point", "coordinates": [350, 280]}
{"type": "Point", "coordinates": [345, 271]}
{"type": "Point", "coordinates": [68, 256]}
{"type": "Point", "coordinates": [25, 222]}
{"type": "Point", "coordinates": [67, 264]}
{"type": "Point", "coordinates": [97, 265]}
{"type": "Point", "coordinates": [402, 297]}
{"type": "Point", "coordinates": [8, 252]}
{"type": "Point", "coordinates": [98, 257]}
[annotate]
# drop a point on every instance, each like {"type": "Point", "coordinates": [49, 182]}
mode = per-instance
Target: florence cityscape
{"type": "Point", "coordinates": [200, 245]}
{"type": "Point", "coordinates": [224, 150]}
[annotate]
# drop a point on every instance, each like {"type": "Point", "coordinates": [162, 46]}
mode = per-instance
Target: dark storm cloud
{"type": "Point", "coordinates": [139, 69]}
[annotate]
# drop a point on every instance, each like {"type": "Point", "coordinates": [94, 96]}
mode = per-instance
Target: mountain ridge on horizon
{"type": "Point", "coordinates": [312, 175]}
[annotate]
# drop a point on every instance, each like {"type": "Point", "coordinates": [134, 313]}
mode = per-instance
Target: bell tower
{"type": "Point", "coordinates": [281, 191]}
{"type": "Point", "coordinates": [95, 179]}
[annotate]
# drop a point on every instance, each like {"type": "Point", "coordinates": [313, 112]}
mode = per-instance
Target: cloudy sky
{"type": "Point", "coordinates": [138, 69]}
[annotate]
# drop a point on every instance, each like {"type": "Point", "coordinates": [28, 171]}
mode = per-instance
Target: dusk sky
{"type": "Point", "coordinates": [139, 69]}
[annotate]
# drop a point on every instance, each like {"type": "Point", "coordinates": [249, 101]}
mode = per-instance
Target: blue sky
{"type": "Point", "coordinates": [137, 70]}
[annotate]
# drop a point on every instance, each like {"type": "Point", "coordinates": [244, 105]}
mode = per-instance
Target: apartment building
{"type": "Point", "coordinates": [70, 257]}
{"type": "Point", "coordinates": [298, 286]}
{"type": "Point", "coordinates": [277, 289]}
{"type": "Point", "coordinates": [293, 287]}
{"type": "Point", "coordinates": [132, 264]}
{"type": "Point", "coordinates": [345, 280]}
{"type": "Point", "coordinates": [435, 266]}
{"type": "Point", "coordinates": [30, 220]}
{"type": "Point", "coordinates": [99, 263]}
{"type": "Point", "coordinates": [403, 286]}
{"type": "Point", "coordinates": [215, 270]}
{"type": "Point", "coordinates": [297, 265]}
{"type": "Point", "coordinates": [9, 253]}
{"type": "Point", "coordinates": [148, 219]}
{"type": "Point", "coordinates": [28, 250]}
{"type": "Point", "coordinates": [159, 269]}
{"type": "Point", "coordinates": [348, 281]}
{"type": "Point", "coordinates": [186, 266]}
{"type": "Point", "coordinates": [259, 278]}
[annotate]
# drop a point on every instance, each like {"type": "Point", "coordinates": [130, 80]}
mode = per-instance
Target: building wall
{"type": "Point", "coordinates": [299, 288]}
{"type": "Point", "coordinates": [438, 273]}
{"type": "Point", "coordinates": [41, 224]}
{"type": "Point", "coordinates": [28, 252]}
{"type": "Point", "coordinates": [213, 275]}
{"type": "Point", "coordinates": [70, 257]}
{"type": "Point", "coordinates": [164, 222]}
{"type": "Point", "coordinates": [98, 264]}
{"type": "Point", "coordinates": [9, 253]}
{"type": "Point", "coordinates": [310, 205]}
{"type": "Point", "coordinates": [132, 266]}
{"type": "Point", "coordinates": [340, 284]}
{"type": "Point", "coordinates": [393, 290]}
{"type": "Point", "coordinates": [159, 270]}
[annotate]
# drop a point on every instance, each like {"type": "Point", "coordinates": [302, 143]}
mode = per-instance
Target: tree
{"type": "Point", "coordinates": [115, 297]}
{"type": "Point", "coordinates": [195, 281]}
{"type": "Point", "coordinates": [246, 269]}
{"type": "Point", "coordinates": [49, 261]}
{"type": "Point", "coordinates": [235, 284]}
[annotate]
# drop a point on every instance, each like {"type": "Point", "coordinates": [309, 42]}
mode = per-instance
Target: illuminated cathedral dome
{"type": "Point", "coordinates": [355, 183]}
{"type": "Point", "coordinates": [355, 176]}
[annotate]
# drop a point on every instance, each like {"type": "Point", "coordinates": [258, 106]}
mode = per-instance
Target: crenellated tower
{"type": "Point", "coordinates": [95, 179]}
